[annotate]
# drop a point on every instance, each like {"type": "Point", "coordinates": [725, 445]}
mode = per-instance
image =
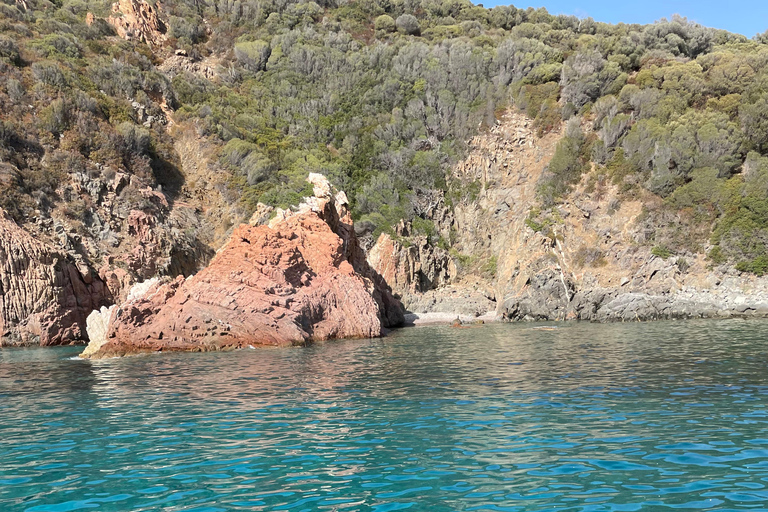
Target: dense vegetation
{"type": "Point", "coordinates": [381, 95]}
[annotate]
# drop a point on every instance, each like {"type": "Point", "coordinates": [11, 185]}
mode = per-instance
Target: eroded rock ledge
{"type": "Point", "coordinates": [302, 278]}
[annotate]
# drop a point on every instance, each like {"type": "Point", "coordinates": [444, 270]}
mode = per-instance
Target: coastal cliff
{"type": "Point", "coordinates": [299, 279]}
{"type": "Point", "coordinates": [503, 162]}
{"type": "Point", "coordinates": [502, 257]}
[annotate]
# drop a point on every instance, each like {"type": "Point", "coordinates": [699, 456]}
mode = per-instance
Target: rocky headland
{"type": "Point", "coordinates": [300, 278]}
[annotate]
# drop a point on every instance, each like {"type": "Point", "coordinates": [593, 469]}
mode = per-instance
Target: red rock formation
{"type": "Point", "coordinates": [117, 280]}
{"type": "Point", "coordinates": [137, 19]}
{"type": "Point", "coordinates": [44, 297]}
{"type": "Point", "coordinates": [147, 251]}
{"type": "Point", "coordinates": [335, 212]}
{"type": "Point", "coordinates": [302, 278]}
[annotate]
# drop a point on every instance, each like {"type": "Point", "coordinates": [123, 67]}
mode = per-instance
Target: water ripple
{"type": "Point", "coordinates": [587, 418]}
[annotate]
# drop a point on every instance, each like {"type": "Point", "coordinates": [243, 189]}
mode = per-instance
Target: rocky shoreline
{"type": "Point", "coordinates": [416, 319]}
{"type": "Point", "coordinates": [486, 255]}
{"type": "Point", "coordinates": [602, 305]}
{"type": "Point", "coordinates": [682, 305]}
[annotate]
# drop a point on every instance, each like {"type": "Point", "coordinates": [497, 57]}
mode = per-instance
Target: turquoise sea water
{"type": "Point", "coordinates": [652, 416]}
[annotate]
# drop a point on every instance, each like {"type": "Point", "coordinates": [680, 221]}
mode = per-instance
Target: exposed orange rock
{"type": "Point", "coordinates": [117, 280]}
{"type": "Point", "coordinates": [138, 20]}
{"type": "Point", "coordinates": [303, 278]}
{"type": "Point", "coordinates": [147, 251]}
{"type": "Point", "coordinates": [44, 297]}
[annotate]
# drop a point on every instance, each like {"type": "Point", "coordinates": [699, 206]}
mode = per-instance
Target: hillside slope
{"type": "Point", "coordinates": [588, 258]}
{"type": "Point", "coordinates": [135, 135]}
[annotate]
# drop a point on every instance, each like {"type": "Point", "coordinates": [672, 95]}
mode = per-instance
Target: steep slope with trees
{"type": "Point", "coordinates": [134, 136]}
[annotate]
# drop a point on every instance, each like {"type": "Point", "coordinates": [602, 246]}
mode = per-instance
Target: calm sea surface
{"type": "Point", "coordinates": [649, 416]}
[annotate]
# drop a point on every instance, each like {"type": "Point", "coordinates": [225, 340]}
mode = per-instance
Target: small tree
{"type": "Point", "coordinates": [754, 121]}
{"type": "Point", "coordinates": [253, 55]}
{"type": "Point", "coordinates": [385, 24]}
{"type": "Point", "coordinates": [408, 24]}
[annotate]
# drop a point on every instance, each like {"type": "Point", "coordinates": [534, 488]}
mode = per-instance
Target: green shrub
{"type": "Point", "coordinates": [716, 255]}
{"type": "Point", "coordinates": [539, 221]}
{"type": "Point", "coordinates": [757, 266]}
{"type": "Point", "coordinates": [661, 251]}
{"type": "Point", "coordinates": [137, 138]}
{"type": "Point", "coordinates": [423, 227]}
{"type": "Point", "coordinates": [385, 24]}
{"type": "Point", "coordinates": [9, 51]}
{"type": "Point", "coordinates": [49, 73]}
{"type": "Point", "coordinates": [55, 118]}
{"type": "Point", "coordinates": [566, 167]}
{"type": "Point", "coordinates": [536, 226]}
{"type": "Point", "coordinates": [57, 45]}
{"type": "Point", "coordinates": [463, 260]}
{"type": "Point", "coordinates": [489, 267]}
{"type": "Point", "coordinates": [253, 55]}
{"type": "Point", "coordinates": [408, 24]}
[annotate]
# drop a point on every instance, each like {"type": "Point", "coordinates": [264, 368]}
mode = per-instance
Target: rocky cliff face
{"type": "Point", "coordinates": [116, 228]}
{"type": "Point", "coordinates": [301, 278]}
{"type": "Point", "coordinates": [45, 296]}
{"type": "Point", "coordinates": [587, 258]}
{"type": "Point", "coordinates": [426, 278]}
{"type": "Point", "coordinates": [137, 19]}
